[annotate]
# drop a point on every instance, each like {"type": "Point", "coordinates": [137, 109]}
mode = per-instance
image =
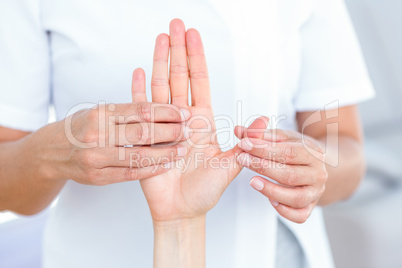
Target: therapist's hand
{"type": "Point", "coordinates": [295, 162]}
{"type": "Point", "coordinates": [90, 146]}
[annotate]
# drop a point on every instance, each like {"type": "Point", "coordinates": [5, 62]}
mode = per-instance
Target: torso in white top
{"type": "Point", "coordinates": [255, 59]}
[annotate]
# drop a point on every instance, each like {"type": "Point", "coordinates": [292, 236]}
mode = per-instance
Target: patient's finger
{"type": "Point", "coordinates": [178, 63]}
{"type": "Point", "coordinates": [200, 90]}
{"type": "Point", "coordinates": [160, 75]}
{"type": "Point", "coordinates": [138, 86]}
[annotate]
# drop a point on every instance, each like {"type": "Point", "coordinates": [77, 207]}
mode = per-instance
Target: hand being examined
{"type": "Point", "coordinates": [194, 185]}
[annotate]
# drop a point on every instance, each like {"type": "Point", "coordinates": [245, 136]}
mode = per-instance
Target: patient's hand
{"type": "Point", "coordinates": [194, 185]}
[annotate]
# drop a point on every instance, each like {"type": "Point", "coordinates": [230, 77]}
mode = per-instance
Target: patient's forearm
{"type": "Point", "coordinates": [180, 243]}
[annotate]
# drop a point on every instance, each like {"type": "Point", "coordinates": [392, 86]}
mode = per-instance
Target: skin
{"type": "Point", "coordinates": [306, 179]}
{"type": "Point", "coordinates": [180, 198]}
{"type": "Point", "coordinates": [87, 147]}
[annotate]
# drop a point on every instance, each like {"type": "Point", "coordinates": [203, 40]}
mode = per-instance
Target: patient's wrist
{"type": "Point", "coordinates": [180, 242]}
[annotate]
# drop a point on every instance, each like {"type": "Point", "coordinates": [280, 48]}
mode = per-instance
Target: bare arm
{"type": "Point", "coordinates": [344, 148]}
{"type": "Point", "coordinates": [180, 243]}
{"type": "Point", "coordinates": [87, 147]}
{"type": "Point", "coordinates": [24, 184]}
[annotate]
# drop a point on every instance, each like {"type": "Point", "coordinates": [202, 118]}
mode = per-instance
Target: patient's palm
{"type": "Point", "coordinates": [196, 183]}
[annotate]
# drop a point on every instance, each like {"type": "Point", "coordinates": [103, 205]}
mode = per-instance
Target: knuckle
{"type": "Point", "coordinates": [291, 177]}
{"type": "Point", "coordinates": [160, 82]}
{"type": "Point", "coordinates": [173, 114]}
{"type": "Point", "coordinates": [131, 174]}
{"type": "Point", "coordinates": [306, 215]}
{"type": "Point", "coordinates": [260, 168]}
{"type": "Point", "coordinates": [303, 216]}
{"type": "Point", "coordinates": [92, 114]}
{"type": "Point", "coordinates": [271, 192]}
{"type": "Point", "coordinates": [138, 132]}
{"type": "Point", "coordinates": [145, 132]}
{"type": "Point", "coordinates": [140, 154]}
{"type": "Point", "coordinates": [289, 153]}
{"type": "Point", "coordinates": [144, 111]}
{"type": "Point", "coordinates": [90, 135]}
{"type": "Point", "coordinates": [87, 158]}
{"type": "Point", "coordinates": [177, 132]}
{"type": "Point", "coordinates": [199, 75]}
{"type": "Point", "coordinates": [301, 201]}
{"type": "Point", "coordinates": [302, 219]}
{"type": "Point", "coordinates": [92, 177]}
{"type": "Point", "coordinates": [179, 69]}
{"type": "Point", "coordinates": [323, 176]}
{"type": "Point", "coordinates": [266, 152]}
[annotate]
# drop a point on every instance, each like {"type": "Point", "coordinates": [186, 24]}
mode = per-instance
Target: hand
{"type": "Point", "coordinates": [282, 156]}
{"type": "Point", "coordinates": [90, 147]}
{"type": "Point", "coordinates": [190, 190]}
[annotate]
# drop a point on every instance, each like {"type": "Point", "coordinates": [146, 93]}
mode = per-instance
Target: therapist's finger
{"type": "Point", "coordinates": [141, 156]}
{"type": "Point", "coordinates": [111, 175]}
{"type": "Point", "coordinates": [138, 86]}
{"type": "Point", "coordinates": [280, 135]}
{"type": "Point", "coordinates": [126, 113]}
{"type": "Point", "coordinates": [178, 63]}
{"type": "Point", "coordinates": [255, 130]}
{"type": "Point", "coordinates": [150, 133]}
{"type": "Point", "coordinates": [199, 80]}
{"type": "Point", "coordinates": [290, 175]}
{"type": "Point", "coordinates": [160, 74]}
{"type": "Point", "coordinates": [297, 215]}
{"type": "Point", "coordinates": [292, 153]}
{"type": "Point", "coordinates": [239, 132]}
{"type": "Point", "coordinates": [297, 210]}
{"type": "Point", "coordinates": [295, 197]}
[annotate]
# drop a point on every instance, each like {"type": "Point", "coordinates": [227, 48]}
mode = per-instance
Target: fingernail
{"type": "Point", "coordinates": [257, 184]}
{"type": "Point", "coordinates": [274, 203]}
{"type": "Point", "coordinates": [187, 132]}
{"type": "Point", "coordinates": [181, 151]}
{"type": "Point", "coordinates": [185, 114]}
{"type": "Point", "coordinates": [243, 159]}
{"type": "Point", "coordinates": [246, 144]}
{"type": "Point", "coordinates": [168, 165]}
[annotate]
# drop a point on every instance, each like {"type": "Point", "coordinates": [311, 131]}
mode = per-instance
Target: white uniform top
{"type": "Point", "coordinates": [265, 57]}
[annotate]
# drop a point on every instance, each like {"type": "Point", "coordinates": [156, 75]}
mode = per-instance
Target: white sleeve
{"type": "Point", "coordinates": [332, 67]}
{"type": "Point", "coordinates": [24, 66]}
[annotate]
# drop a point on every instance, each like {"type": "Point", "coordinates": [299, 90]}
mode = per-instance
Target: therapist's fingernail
{"type": "Point", "coordinates": [257, 184]}
{"type": "Point", "coordinates": [244, 159]}
{"type": "Point", "coordinates": [187, 132]}
{"type": "Point", "coordinates": [246, 144]}
{"type": "Point", "coordinates": [274, 203]}
{"type": "Point", "coordinates": [185, 114]}
{"type": "Point", "coordinates": [181, 151]}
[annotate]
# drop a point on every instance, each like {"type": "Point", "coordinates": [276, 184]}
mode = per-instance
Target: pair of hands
{"type": "Point", "coordinates": [192, 186]}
